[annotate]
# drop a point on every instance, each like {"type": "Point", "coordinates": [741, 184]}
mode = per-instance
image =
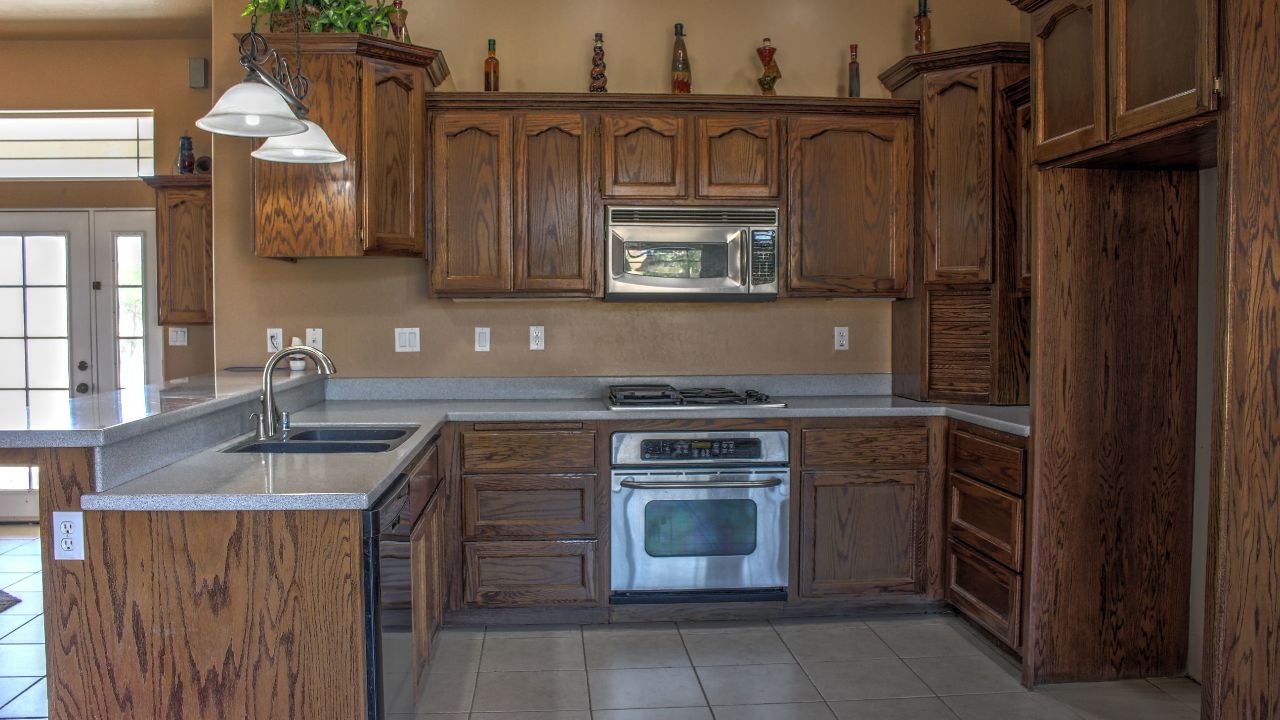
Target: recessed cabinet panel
{"type": "Point", "coordinates": [394, 128]}
{"type": "Point", "coordinates": [1162, 57]}
{"type": "Point", "coordinates": [645, 156]}
{"type": "Point", "coordinates": [1069, 61]}
{"type": "Point", "coordinates": [958, 205]}
{"type": "Point", "coordinates": [987, 592]}
{"type": "Point", "coordinates": [553, 206]}
{"type": "Point", "coordinates": [528, 506]}
{"type": "Point", "coordinates": [1026, 199]}
{"type": "Point", "coordinates": [986, 519]}
{"type": "Point", "coordinates": [738, 157]}
{"type": "Point", "coordinates": [471, 238]}
{"type": "Point", "coordinates": [184, 248]}
{"type": "Point", "coordinates": [524, 574]}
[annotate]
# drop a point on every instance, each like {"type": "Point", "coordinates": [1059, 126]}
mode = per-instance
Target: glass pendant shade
{"type": "Point", "coordinates": [251, 109]}
{"type": "Point", "coordinates": [312, 147]}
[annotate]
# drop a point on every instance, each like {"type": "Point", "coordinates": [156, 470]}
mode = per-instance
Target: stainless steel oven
{"type": "Point", "coordinates": [692, 253]}
{"type": "Point", "coordinates": [700, 516]}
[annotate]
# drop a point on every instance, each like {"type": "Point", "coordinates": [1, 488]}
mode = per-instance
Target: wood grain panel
{"type": "Point", "coordinates": [471, 185]}
{"type": "Point", "coordinates": [184, 255]}
{"type": "Point", "coordinates": [1242, 669]}
{"type": "Point", "coordinates": [1115, 413]}
{"type": "Point", "coordinates": [429, 547]}
{"type": "Point", "coordinates": [960, 346]}
{"type": "Point", "coordinates": [393, 187]}
{"type": "Point", "coordinates": [986, 519]}
{"type": "Point", "coordinates": [555, 218]}
{"type": "Point", "coordinates": [868, 446]}
{"type": "Point", "coordinates": [858, 532]}
{"type": "Point", "coordinates": [524, 574]}
{"type": "Point", "coordinates": [738, 157]}
{"type": "Point", "coordinates": [1069, 77]}
{"type": "Point", "coordinates": [424, 478]}
{"type": "Point", "coordinates": [994, 458]}
{"type": "Point", "coordinates": [958, 204]}
{"type": "Point", "coordinates": [645, 155]}
{"type": "Point", "coordinates": [528, 451]}
{"type": "Point", "coordinates": [850, 208]}
{"type": "Point", "coordinates": [1026, 200]}
{"type": "Point", "coordinates": [985, 592]}
{"type": "Point", "coordinates": [507, 507]}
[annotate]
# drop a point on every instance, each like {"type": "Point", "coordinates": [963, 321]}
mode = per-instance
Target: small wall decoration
{"type": "Point", "coordinates": [186, 156]}
{"type": "Point", "coordinates": [681, 71]}
{"type": "Point", "coordinates": [924, 33]}
{"type": "Point", "coordinates": [771, 74]}
{"type": "Point", "coordinates": [599, 81]}
{"type": "Point", "coordinates": [397, 17]}
{"type": "Point", "coordinates": [855, 73]}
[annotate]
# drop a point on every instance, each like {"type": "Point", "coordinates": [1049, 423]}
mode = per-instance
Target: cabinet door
{"type": "Point", "coordinates": [958, 156]}
{"type": "Point", "coordinates": [525, 574]}
{"type": "Point", "coordinates": [427, 548]}
{"type": "Point", "coordinates": [850, 218]}
{"type": "Point", "coordinates": [471, 186]}
{"type": "Point", "coordinates": [738, 157]}
{"type": "Point", "coordinates": [1026, 199]}
{"type": "Point", "coordinates": [515, 507]}
{"type": "Point", "coordinates": [184, 254]}
{"type": "Point", "coordinates": [644, 156]}
{"type": "Point", "coordinates": [985, 591]}
{"type": "Point", "coordinates": [985, 519]}
{"type": "Point", "coordinates": [858, 532]}
{"type": "Point", "coordinates": [1068, 60]}
{"type": "Point", "coordinates": [1163, 62]}
{"type": "Point", "coordinates": [554, 211]}
{"type": "Point", "coordinates": [393, 116]}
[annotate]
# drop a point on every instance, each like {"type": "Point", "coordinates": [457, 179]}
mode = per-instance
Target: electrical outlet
{"type": "Point", "coordinates": [537, 337]}
{"type": "Point", "coordinates": [408, 340]}
{"type": "Point", "coordinates": [482, 339]}
{"type": "Point", "coordinates": [842, 338]}
{"type": "Point", "coordinates": [315, 338]}
{"type": "Point", "coordinates": [68, 536]}
{"type": "Point", "coordinates": [177, 337]}
{"type": "Point", "coordinates": [275, 339]}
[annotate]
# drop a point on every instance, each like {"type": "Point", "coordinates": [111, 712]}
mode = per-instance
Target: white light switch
{"type": "Point", "coordinates": [482, 339]}
{"type": "Point", "coordinates": [537, 337]}
{"type": "Point", "coordinates": [275, 339]}
{"type": "Point", "coordinates": [408, 340]}
{"type": "Point", "coordinates": [315, 338]}
{"type": "Point", "coordinates": [842, 338]}
{"type": "Point", "coordinates": [177, 337]}
{"type": "Point", "coordinates": [68, 536]}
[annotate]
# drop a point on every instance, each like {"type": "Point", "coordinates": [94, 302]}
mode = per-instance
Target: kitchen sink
{"type": "Point", "coordinates": [333, 439]}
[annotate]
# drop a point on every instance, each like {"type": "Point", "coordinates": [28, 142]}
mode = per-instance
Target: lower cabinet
{"type": "Point", "coordinates": [527, 574]}
{"type": "Point", "coordinates": [428, 550]}
{"type": "Point", "coordinates": [985, 591]}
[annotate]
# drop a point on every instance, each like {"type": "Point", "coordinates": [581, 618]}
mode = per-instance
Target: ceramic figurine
{"type": "Point", "coordinates": [397, 18]}
{"type": "Point", "coordinates": [855, 73]}
{"type": "Point", "coordinates": [771, 74]}
{"type": "Point", "coordinates": [681, 72]}
{"type": "Point", "coordinates": [599, 81]}
{"type": "Point", "coordinates": [924, 33]}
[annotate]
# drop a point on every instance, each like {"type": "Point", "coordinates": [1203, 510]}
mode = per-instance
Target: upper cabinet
{"type": "Point", "coordinates": [1108, 70]}
{"type": "Point", "coordinates": [644, 155]}
{"type": "Point", "coordinates": [184, 248]}
{"type": "Point", "coordinates": [555, 208]}
{"type": "Point", "coordinates": [737, 157]}
{"type": "Point", "coordinates": [850, 211]}
{"type": "Point", "coordinates": [367, 93]}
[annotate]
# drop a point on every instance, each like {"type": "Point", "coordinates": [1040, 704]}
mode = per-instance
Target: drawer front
{"type": "Point", "coordinates": [424, 477]}
{"type": "Point", "coordinates": [988, 460]}
{"type": "Point", "coordinates": [528, 451]}
{"type": "Point", "coordinates": [528, 506]}
{"type": "Point", "coordinates": [528, 574]}
{"type": "Point", "coordinates": [985, 591]}
{"type": "Point", "coordinates": [986, 519]}
{"type": "Point", "coordinates": [865, 447]}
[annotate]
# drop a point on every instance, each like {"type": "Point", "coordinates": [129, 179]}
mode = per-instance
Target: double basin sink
{"type": "Point", "coordinates": [331, 439]}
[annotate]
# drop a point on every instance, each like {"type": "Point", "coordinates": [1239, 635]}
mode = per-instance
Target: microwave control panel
{"type": "Point", "coordinates": [764, 254]}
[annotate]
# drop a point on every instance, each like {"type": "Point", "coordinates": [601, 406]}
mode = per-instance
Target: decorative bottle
{"type": "Point", "coordinates": [397, 17]}
{"type": "Point", "coordinates": [491, 67]}
{"type": "Point", "coordinates": [771, 74]}
{"type": "Point", "coordinates": [855, 73]}
{"type": "Point", "coordinates": [681, 73]}
{"type": "Point", "coordinates": [186, 156]}
{"type": "Point", "coordinates": [924, 34]}
{"type": "Point", "coordinates": [599, 81]}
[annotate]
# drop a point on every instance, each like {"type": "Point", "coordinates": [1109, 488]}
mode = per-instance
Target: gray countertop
{"type": "Point", "coordinates": [214, 480]}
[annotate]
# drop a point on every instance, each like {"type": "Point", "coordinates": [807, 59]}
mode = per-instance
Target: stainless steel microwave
{"type": "Point", "coordinates": [692, 253]}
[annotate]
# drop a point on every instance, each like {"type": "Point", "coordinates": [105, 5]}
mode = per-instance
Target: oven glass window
{"type": "Point", "coordinates": [665, 260]}
{"type": "Point", "coordinates": [699, 528]}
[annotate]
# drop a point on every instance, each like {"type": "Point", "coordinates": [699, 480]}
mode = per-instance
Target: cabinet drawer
{"type": "Point", "coordinates": [528, 451]}
{"type": "Point", "coordinates": [985, 591]}
{"type": "Point", "coordinates": [424, 477]}
{"type": "Point", "coordinates": [986, 519]}
{"type": "Point", "coordinates": [865, 447]}
{"type": "Point", "coordinates": [528, 506]}
{"type": "Point", "coordinates": [988, 460]}
{"type": "Point", "coordinates": [525, 574]}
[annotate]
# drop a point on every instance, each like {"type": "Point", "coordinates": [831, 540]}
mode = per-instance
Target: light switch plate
{"type": "Point", "coordinates": [275, 339]}
{"type": "Point", "coordinates": [315, 338]}
{"type": "Point", "coordinates": [408, 340]}
{"type": "Point", "coordinates": [482, 339]}
{"type": "Point", "coordinates": [537, 337]}
{"type": "Point", "coordinates": [842, 338]}
{"type": "Point", "coordinates": [177, 337]}
{"type": "Point", "coordinates": [68, 536]}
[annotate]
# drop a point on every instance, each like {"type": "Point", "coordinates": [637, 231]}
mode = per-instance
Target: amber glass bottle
{"type": "Point", "coordinates": [855, 73]}
{"type": "Point", "coordinates": [491, 67]}
{"type": "Point", "coordinates": [681, 73]}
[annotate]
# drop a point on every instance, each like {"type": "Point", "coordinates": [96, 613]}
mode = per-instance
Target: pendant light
{"type": "Point", "coordinates": [312, 146]}
{"type": "Point", "coordinates": [252, 109]}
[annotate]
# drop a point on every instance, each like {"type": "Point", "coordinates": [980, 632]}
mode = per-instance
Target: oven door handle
{"type": "Point", "coordinates": [686, 485]}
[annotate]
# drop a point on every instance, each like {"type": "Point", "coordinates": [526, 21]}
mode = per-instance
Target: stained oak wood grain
{"type": "Point", "coordinates": [522, 574]}
{"type": "Point", "coordinates": [986, 519]}
{"type": "Point", "coordinates": [528, 451]}
{"type": "Point", "coordinates": [1069, 77]}
{"type": "Point", "coordinates": [960, 346]}
{"type": "Point", "coordinates": [1242, 678]}
{"type": "Point", "coordinates": [184, 249]}
{"type": "Point", "coordinates": [393, 182]}
{"type": "Point", "coordinates": [644, 155]}
{"type": "Point", "coordinates": [429, 546]}
{"type": "Point", "coordinates": [513, 507]}
{"type": "Point", "coordinates": [865, 445]}
{"type": "Point", "coordinates": [995, 458]}
{"type": "Point", "coordinates": [986, 592]}
{"type": "Point", "coordinates": [738, 157]}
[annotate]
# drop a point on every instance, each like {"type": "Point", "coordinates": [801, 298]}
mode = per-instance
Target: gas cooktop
{"type": "Point", "coordinates": [666, 397]}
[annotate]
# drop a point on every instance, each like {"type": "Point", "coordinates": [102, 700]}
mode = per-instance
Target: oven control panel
{"type": "Point", "coordinates": [701, 449]}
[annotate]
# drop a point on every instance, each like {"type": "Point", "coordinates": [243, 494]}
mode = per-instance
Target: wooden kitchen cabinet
{"type": "Point", "coordinates": [985, 592]}
{"type": "Point", "coordinates": [738, 157]}
{"type": "Point", "coordinates": [555, 212]}
{"type": "Point", "coordinates": [513, 507]}
{"type": "Point", "coordinates": [184, 248]}
{"type": "Point", "coordinates": [428, 553]}
{"type": "Point", "coordinates": [1068, 47]}
{"type": "Point", "coordinates": [528, 450]}
{"type": "Point", "coordinates": [527, 574]}
{"type": "Point", "coordinates": [644, 155]}
{"type": "Point", "coordinates": [367, 93]}
{"type": "Point", "coordinates": [850, 209]}
{"type": "Point", "coordinates": [1020, 96]}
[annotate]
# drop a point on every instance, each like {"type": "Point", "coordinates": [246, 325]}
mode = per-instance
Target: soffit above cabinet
{"type": "Point", "coordinates": [913, 66]}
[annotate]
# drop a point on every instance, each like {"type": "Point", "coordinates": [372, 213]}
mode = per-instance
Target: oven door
{"type": "Point", "coordinates": [659, 261]}
{"type": "Point", "coordinates": [696, 530]}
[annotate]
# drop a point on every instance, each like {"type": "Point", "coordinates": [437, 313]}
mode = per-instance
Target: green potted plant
{"type": "Point", "coordinates": [354, 16]}
{"type": "Point", "coordinates": [284, 15]}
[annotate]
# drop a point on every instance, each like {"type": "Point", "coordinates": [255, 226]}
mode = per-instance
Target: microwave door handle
{"type": "Point", "coordinates": [735, 251]}
{"type": "Point", "coordinates": [710, 485]}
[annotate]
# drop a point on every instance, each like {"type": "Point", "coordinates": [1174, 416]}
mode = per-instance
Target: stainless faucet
{"type": "Point", "coordinates": [271, 420]}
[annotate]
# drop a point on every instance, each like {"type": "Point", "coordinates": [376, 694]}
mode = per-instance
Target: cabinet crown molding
{"type": "Point", "coordinates": [661, 102]}
{"type": "Point", "coordinates": [369, 46]}
{"type": "Point", "coordinates": [161, 182]}
{"type": "Point", "coordinates": [913, 66]}
{"type": "Point", "coordinates": [1029, 5]}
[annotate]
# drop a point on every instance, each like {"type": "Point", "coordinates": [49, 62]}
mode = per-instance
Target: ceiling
{"type": "Point", "coordinates": [105, 19]}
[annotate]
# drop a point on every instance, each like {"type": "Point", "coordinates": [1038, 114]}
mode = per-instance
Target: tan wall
{"type": "Point", "coordinates": [95, 75]}
{"type": "Point", "coordinates": [545, 46]}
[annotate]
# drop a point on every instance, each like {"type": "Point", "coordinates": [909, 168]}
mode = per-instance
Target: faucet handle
{"type": "Point", "coordinates": [261, 426]}
{"type": "Point", "coordinates": [284, 422]}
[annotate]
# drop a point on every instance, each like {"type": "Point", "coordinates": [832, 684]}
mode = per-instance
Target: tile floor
{"type": "Point", "coordinates": [923, 668]}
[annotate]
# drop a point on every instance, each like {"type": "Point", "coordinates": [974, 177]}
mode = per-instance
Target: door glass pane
{"type": "Point", "coordinates": [129, 260]}
{"type": "Point", "coordinates": [132, 363]}
{"type": "Point", "coordinates": [49, 408]}
{"type": "Point", "coordinates": [13, 367]}
{"type": "Point", "coordinates": [129, 313]}
{"type": "Point", "coordinates": [13, 407]}
{"type": "Point", "coordinates": [699, 528]}
{"type": "Point", "coordinates": [46, 260]}
{"type": "Point", "coordinates": [10, 260]}
{"type": "Point", "coordinates": [47, 363]}
{"type": "Point", "coordinates": [11, 312]}
{"type": "Point", "coordinates": [46, 312]}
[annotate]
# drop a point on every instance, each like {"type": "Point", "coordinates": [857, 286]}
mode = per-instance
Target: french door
{"type": "Point", "coordinates": [75, 318]}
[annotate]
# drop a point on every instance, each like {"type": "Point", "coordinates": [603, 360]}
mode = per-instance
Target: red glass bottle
{"type": "Point", "coordinates": [491, 67]}
{"type": "Point", "coordinates": [681, 72]}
